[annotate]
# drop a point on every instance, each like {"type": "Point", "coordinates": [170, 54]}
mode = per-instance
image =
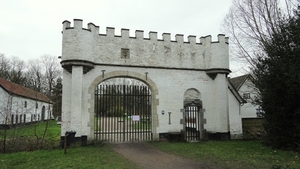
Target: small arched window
{"type": "Point", "coordinates": [25, 104]}
{"type": "Point", "coordinates": [36, 105]}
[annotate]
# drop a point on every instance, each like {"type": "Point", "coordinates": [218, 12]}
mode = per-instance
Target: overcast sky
{"type": "Point", "coordinates": [31, 28]}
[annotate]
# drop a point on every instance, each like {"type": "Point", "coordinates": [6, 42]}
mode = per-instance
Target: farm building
{"type": "Point", "coordinates": [245, 87]}
{"type": "Point", "coordinates": [22, 105]}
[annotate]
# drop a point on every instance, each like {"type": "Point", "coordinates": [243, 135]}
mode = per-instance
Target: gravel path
{"type": "Point", "coordinates": [148, 157]}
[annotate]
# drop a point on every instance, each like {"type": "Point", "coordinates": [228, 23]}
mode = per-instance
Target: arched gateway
{"type": "Point", "coordinates": [169, 70]}
{"type": "Point", "coordinates": [123, 111]}
{"type": "Point", "coordinates": [123, 103]}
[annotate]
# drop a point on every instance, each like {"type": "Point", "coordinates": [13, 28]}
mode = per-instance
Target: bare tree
{"type": "Point", "coordinates": [52, 70]}
{"type": "Point", "coordinates": [42, 74]}
{"type": "Point", "coordinates": [57, 97]}
{"type": "Point", "coordinates": [17, 69]}
{"type": "Point", "coordinates": [4, 66]}
{"type": "Point", "coordinates": [13, 69]}
{"type": "Point", "coordinates": [35, 75]}
{"type": "Point", "coordinates": [250, 22]}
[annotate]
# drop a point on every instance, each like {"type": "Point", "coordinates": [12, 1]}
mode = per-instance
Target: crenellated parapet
{"type": "Point", "coordinates": [88, 45]}
{"type": "Point", "coordinates": [180, 71]}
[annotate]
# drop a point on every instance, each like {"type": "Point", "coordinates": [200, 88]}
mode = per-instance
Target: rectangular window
{"type": "Point", "coordinates": [25, 104]}
{"type": "Point", "coordinates": [36, 105]}
{"type": "Point", "coordinates": [246, 95]}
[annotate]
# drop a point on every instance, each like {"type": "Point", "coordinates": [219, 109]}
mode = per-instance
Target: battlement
{"type": "Point", "coordinates": [89, 47]}
{"type": "Point", "coordinates": [139, 34]}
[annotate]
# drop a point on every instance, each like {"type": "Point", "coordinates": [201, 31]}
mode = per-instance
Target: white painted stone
{"type": "Point", "coordinates": [173, 67]}
{"type": "Point", "coordinates": [76, 98]}
{"type": "Point", "coordinates": [235, 127]}
{"type": "Point", "coordinates": [248, 110]}
{"type": "Point", "coordinates": [11, 104]}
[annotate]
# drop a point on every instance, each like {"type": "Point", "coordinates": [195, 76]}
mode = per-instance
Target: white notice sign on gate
{"type": "Point", "coordinates": [135, 118]}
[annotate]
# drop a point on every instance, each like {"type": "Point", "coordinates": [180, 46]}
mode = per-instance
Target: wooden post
{"type": "Point", "coordinates": [65, 143]}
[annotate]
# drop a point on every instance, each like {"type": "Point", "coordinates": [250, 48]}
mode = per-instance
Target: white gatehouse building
{"type": "Point", "coordinates": [119, 88]}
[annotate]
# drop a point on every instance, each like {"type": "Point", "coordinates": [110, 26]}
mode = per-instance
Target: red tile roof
{"type": "Point", "coordinates": [23, 91]}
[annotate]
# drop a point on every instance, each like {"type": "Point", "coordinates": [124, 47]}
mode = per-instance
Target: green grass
{"type": "Point", "coordinates": [37, 128]}
{"type": "Point", "coordinates": [31, 137]}
{"type": "Point", "coordinates": [76, 157]}
{"type": "Point", "coordinates": [141, 125]}
{"type": "Point", "coordinates": [234, 154]}
{"type": "Point", "coordinates": [79, 157]}
{"type": "Point", "coordinates": [96, 124]}
{"type": "Point", "coordinates": [226, 154]}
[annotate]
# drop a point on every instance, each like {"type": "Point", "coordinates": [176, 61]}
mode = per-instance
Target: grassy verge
{"type": "Point", "coordinates": [38, 128]}
{"type": "Point", "coordinates": [234, 154]}
{"type": "Point", "coordinates": [79, 157]}
{"type": "Point", "coordinates": [41, 135]}
{"type": "Point", "coordinates": [76, 157]}
{"type": "Point", "coordinates": [226, 154]}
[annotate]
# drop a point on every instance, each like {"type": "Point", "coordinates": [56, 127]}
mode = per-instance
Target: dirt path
{"type": "Point", "coordinates": [148, 157]}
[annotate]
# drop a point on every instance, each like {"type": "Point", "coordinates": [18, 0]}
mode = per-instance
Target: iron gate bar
{"type": "Point", "coordinates": [124, 91]}
{"type": "Point", "coordinates": [142, 110]}
{"type": "Point", "coordinates": [134, 109]}
{"type": "Point", "coordinates": [126, 98]}
{"type": "Point", "coordinates": [117, 104]}
{"type": "Point", "coordinates": [131, 119]}
{"type": "Point", "coordinates": [192, 123]}
{"type": "Point", "coordinates": [114, 93]}
{"type": "Point", "coordinates": [95, 107]}
{"type": "Point", "coordinates": [101, 115]}
{"type": "Point", "coordinates": [115, 110]}
{"type": "Point", "coordinates": [103, 101]}
{"type": "Point", "coordinates": [107, 103]}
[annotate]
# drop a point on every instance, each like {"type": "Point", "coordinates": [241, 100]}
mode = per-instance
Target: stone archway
{"type": "Point", "coordinates": [123, 111]}
{"type": "Point", "coordinates": [193, 115]}
{"type": "Point", "coordinates": [123, 74]}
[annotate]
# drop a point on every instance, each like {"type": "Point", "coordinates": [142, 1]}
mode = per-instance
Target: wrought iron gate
{"type": "Point", "coordinates": [122, 113]}
{"type": "Point", "coordinates": [192, 123]}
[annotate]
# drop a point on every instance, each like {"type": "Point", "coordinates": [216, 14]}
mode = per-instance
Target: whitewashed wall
{"type": "Point", "coordinates": [172, 68]}
{"type": "Point", "coordinates": [235, 120]}
{"type": "Point", "coordinates": [248, 110]}
{"type": "Point", "coordinates": [15, 105]}
{"type": "Point", "coordinates": [89, 45]}
{"type": "Point", "coordinates": [3, 107]}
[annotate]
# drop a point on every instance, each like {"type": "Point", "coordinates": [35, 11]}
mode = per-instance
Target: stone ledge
{"type": "Point", "coordinates": [68, 64]}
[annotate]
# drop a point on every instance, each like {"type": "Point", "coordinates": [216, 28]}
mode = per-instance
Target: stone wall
{"type": "Point", "coordinates": [109, 49]}
{"type": "Point", "coordinates": [253, 128]}
{"type": "Point", "coordinates": [169, 68]}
